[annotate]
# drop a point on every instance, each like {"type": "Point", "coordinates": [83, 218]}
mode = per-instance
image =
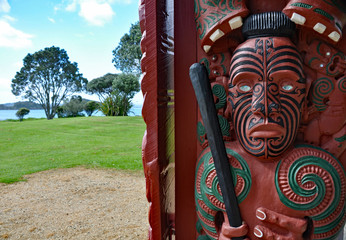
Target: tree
{"type": "Point", "coordinates": [48, 77]}
{"type": "Point", "coordinates": [126, 85]}
{"type": "Point", "coordinates": [91, 107]}
{"type": "Point", "coordinates": [127, 54]}
{"type": "Point", "coordinates": [102, 86]}
{"type": "Point", "coordinates": [74, 107]}
{"type": "Point", "coordinates": [21, 113]}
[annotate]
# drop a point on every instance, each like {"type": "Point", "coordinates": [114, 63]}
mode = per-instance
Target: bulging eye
{"type": "Point", "coordinates": [245, 88]}
{"type": "Point", "coordinates": [287, 87]}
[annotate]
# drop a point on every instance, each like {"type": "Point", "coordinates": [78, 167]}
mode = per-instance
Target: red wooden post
{"type": "Point", "coordinates": [186, 119]}
{"type": "Point", "coordinates": [169, 146]}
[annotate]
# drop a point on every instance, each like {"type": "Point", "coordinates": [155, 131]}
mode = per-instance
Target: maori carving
{"type": "Point", "coordinates": [214, 18]}
{"type": "Point", "coordinates": [308, 180]}
{"type": "Point", "coordinates": [283, 119]}
{"type": "Point", "coordinates": [324, 17]}
{"type": "Point", "coordinates": [266, 91]}
{"type": "Point", "coordinates": [208, 194]}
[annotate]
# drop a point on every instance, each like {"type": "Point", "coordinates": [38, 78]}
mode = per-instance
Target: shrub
{"type": "Point", "coordinates": [73, 108]}
{"type": "Point", "coordinates": [110, 106]}
{"type": "Point", "coordinates": [90, 107]}
{"type": "Point", "coordinates": [60, 112]}
{"type": "Point", "coordinates": [21, 113]}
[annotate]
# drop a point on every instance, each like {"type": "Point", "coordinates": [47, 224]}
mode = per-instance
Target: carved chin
{"type": "Point", "coordinates": [271, 145]}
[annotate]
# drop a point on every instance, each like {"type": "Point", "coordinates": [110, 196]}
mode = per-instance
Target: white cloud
{"type": "Point", "coordinates": [9, 18]}
{"type": "Point", "coordinates": [95, 12]}
{"type": "Point", "coordinates": [4, 6]}
{"type": "Point", "coordinates": [11, 37]}
{"type": "Point", "coordinates": [51, 20]}
{"type": "Point", "coordinates": [72, 6]}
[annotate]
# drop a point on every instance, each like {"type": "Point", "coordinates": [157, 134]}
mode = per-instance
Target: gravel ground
{"type": "Point", "coordinates": [75, 203]}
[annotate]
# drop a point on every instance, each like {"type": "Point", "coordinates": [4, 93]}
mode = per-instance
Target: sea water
{"type": "Point", "coordinates": [39, 113]}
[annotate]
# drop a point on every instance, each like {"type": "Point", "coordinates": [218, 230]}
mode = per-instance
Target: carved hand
{"type": "Point", "coordinates": [294, 226]}
{"type": "Point", "coordinates": [227, 232]}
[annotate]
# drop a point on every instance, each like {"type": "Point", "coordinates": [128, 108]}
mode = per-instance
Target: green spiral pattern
{"type": "Point", "coordinates": [318, 192]}
{"type": "Point", "coordinates": [342, 85]}
{"type": "Point", "coordinates": [220, 92]}
{"type": "Point", "coordinates": [224, 125]}
{"type": "Point", "coordinates": [205, 191]}
{"type": "Point", "coordinates": [321, 89]}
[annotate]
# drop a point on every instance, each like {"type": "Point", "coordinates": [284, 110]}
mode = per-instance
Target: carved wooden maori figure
{"type": "Point", "coordinates": [280, 91]}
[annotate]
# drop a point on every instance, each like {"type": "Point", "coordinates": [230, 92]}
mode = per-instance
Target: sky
{"type": "Point", "coordinates": [89, 30]}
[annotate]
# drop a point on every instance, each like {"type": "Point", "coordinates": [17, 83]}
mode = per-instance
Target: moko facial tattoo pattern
{"type": "Point", "coordinates": [266, 92]}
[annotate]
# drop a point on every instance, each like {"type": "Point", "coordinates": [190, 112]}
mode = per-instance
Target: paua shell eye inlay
{"type": "Point", "coordinates": [287, 87]}
{"type": "Point", "coordinates": [245, 88]}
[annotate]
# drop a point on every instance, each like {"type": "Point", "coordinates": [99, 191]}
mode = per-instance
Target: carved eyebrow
{"type": "Point", "coordinates": [288, 68]}
{"type": "Point", "coordinates": [248, 76]}
{"type": "Point", "coordinates": [245, 70]}
{"type": "Point", "coordinates": [284, 74]}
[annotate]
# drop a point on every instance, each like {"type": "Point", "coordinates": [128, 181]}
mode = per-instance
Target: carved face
{"type": "Point", "coordinates": [266, 91]}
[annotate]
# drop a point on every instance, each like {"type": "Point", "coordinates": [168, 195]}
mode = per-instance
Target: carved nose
{"type": "Point", "coordinates": [265, 107]}
{"type": "Point", "coordinates": [258, 109]}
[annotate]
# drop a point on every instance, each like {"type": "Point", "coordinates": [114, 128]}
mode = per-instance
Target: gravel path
{"type": "Point", "coordinates": [75, 203]}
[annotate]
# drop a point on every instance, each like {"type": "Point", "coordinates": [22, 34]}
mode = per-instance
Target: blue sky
{"type": "Point", "coordinates": [87, 29]}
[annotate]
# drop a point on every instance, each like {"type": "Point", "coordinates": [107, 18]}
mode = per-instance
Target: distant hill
{"type": "Point", "coordinates": [32, 106]}
{"type": "Point", "coordinates": [17, 105]}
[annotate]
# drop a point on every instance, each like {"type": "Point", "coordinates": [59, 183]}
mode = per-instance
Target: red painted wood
{"type": "Point", "coordinates": [149, 113]}
{"type": "Point", "coordinates": [156, 20]}
{"type": "Point", "coordinates": [170, 146]}
{"type": "Point", "coordinates": [185, 119]}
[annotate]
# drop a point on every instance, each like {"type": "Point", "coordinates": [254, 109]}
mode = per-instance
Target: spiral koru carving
{"type": "Point", "coordinates": [208, 196]}
{"type": "Point", "coordinates": [220, 92]}
{"type": "Point", "coordinates": [311, 180]}
{"type": "Point", "coordinates": [202, 135]}
{"type": "Point", "coordinates": [322, 88]}
{"type": "Point", "coordinates": [342, 84]}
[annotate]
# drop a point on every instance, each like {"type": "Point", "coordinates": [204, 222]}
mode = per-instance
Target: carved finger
{"type": "Point", "coordinates": [229, 231]}
{"type": "Point", "coordinates": [295, 225]}
{"type": "Point", "coordinates": [264, 233]}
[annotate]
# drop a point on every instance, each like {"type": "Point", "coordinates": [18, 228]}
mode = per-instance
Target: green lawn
{"type": "Point", "coordinates": [36, 145]}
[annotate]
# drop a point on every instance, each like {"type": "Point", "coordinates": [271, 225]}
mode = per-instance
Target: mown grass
{"type": "Point", "coordinates": [36, 145]}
